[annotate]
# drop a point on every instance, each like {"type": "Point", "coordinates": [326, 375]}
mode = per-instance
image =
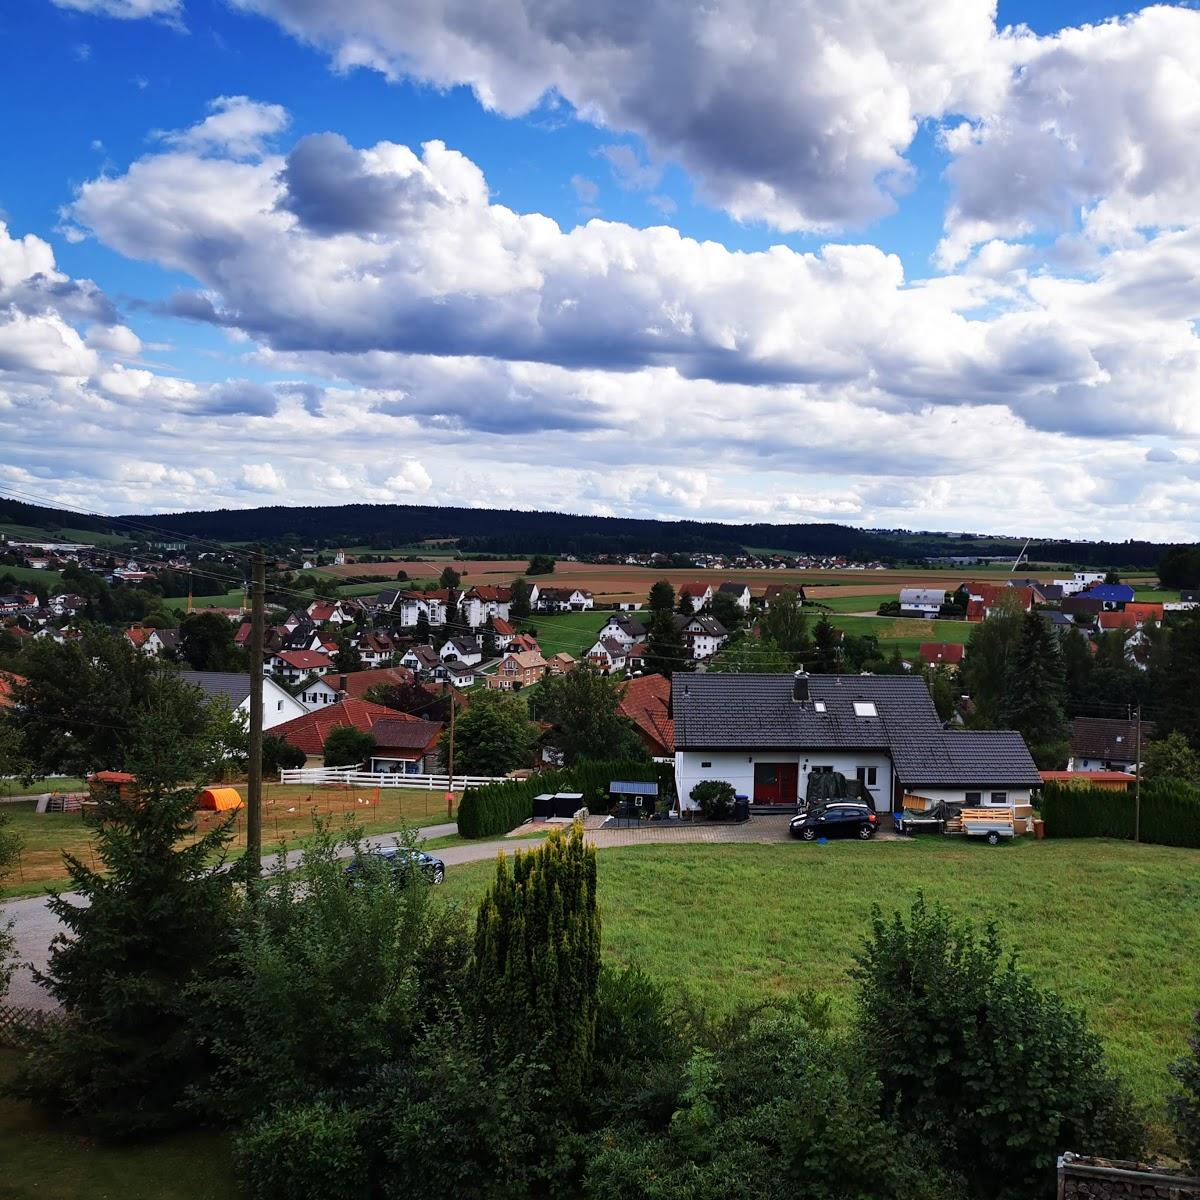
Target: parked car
{"type": "Point", "coordinates": [836, 818]}
{"type": "Point", "coordinates": [402, 860]}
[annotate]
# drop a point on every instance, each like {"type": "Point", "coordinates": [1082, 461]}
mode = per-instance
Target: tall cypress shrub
{"type": "Point", "coordinates": [536, 966]}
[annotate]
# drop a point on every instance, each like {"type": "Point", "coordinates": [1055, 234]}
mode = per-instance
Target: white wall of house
{"type": "Point", "coordinates": [1102, 764]}
{"type": "Point", "coordinates": [279, 705]}
{"type": "Point", "coordinates": [737, 767]}
{"type": "Point", "coordinates": [985, 792]}
{"type": "Point", "coordinates": [318, 694]}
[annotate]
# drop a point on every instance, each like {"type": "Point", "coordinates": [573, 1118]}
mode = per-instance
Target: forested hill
{"type": "Point", "coordinates": [506, 532]}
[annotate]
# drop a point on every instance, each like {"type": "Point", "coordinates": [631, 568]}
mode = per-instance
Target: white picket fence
{"type": "Point", "coordinates": [356, 778]}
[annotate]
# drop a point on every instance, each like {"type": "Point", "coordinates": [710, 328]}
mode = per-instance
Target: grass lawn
{"type": "Point", "coordinates": [904, 633]}
{"type": "Point", "coordinates": [14, 787]}
{"type": "Point", "coordinates": [1113, 927]}
{"type": "Point", "coordinates": [44, 1158]}
{"type": "Point", "coordinates": [849, 603]}
{"type": "Point", "coordinates": [1155, 595]}
{"type": "Point", "coordinates": [288, 812]}
{"type": "Point", "coordinates": [32, 575]}
{"type": "Point", "coordinates": [572, 632]}
{"type": "Point", "coordinates": [230, 599]}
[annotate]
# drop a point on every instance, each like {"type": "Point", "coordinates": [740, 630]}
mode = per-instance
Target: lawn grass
{"type": "Point", "coordinates": [1113, 927]}
{"type": "Point", "coordinates": [15, 787]}
{"type": "Point", "coordinates": [32, 575]}
{"type": "Point", "coordinates": [905, 634]}
{"type": "Point", "coordinates": [851, 602]}
{"type": "Point", "coordinates": [234, 598]}
{"type": "Point", "coordinates": [572, 632]}
{"type": "Point", "coordinates": [46, 1159]}
{"type": "Point", "coordinates": [288, 814]}
{"type": "Point", "coordinates": [1155, 595]}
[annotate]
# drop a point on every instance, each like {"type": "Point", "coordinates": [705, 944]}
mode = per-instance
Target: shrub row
{"type": "Point", "coordinates": [1170, 813]}
{"type": "Point", "coordinates": [496, 808]}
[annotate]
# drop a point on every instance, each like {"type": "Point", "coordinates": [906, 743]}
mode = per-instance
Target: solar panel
{"type": "Point", "coordinates": [627, 787]}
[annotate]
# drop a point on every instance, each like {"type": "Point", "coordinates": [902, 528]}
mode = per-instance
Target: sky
{"type": "Point", "coordinates": [921, 264]}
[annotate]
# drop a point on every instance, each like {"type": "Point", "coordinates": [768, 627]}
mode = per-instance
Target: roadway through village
{"type": "Point", "coordinates": [35, 926]}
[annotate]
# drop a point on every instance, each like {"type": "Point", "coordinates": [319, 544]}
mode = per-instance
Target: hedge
{"type": "Point", "coordinates": [496, 808]}
{"type": "Point", "coordinates": [1170, 812]}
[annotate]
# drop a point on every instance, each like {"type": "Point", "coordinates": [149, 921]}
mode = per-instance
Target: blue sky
{"type": "Point", "coordinates": [812, 383]}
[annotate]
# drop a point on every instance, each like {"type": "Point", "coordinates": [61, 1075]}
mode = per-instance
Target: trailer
{"type": "Point", "coordinates": [991, 824]}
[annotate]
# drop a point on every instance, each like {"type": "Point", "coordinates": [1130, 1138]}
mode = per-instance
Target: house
{"type": "Point", "coordinates": [482, 602]}
{"type": "Point", "coordinates": [766, 734]}
{"type": "Point", "coordinates": [330, 612]}
{"type": "Point", "coordinates": [560, 663]}
{"type": "Point", "coordinates": [1107, 743]}
{"type": "Point", "coordinates": [308, 733]}
{"type": "Point", "coordinates": [422, 659]}
{"type": "Point", "coordinates": [1132, 616]}
{"type": "Point", "coordinates": [459, 675]}
{"type": "Point", "coordinates": [317, 691]}
{"type": "Point", "coordinates": [984, 598]}
{"type": "Point", "coordinates": [405, 745]}
{"type": "Point", "coordinates": [635, 657]}
{"type": "Point", "coordinates": [1087, 607]}
{"type": "Point", "coordinates": [607, 655]}
{"type": "Point", "coordinates": [295, 665]}
{"type": "Point", "coordinates": [1111, 595]}
{"type": "Point", "coordinates": [375, 647]}
{"type": "Point", "coordinates": [503, 631]}
{"type": "Point", "coordinates": [563, 600]}
{"type": "Point", "coordinates": [518, 671]}
{"type": "Point", "coordinates": [698, 594]}
{"type": "Point", "coordinates": [775, 590]}
{"type": "Point", "coordinates": [1060, 622]}
{"type": "Point", "coordinates": [1106, 781]}
{"type": "Point", "coordinates": [524, 641]}
{"type": "Point", "coordinates": [739, 593]}
{"type": "Point", "coordinates": [153, 641]}
{"type": "Point", "coordinates": [467, 651]}
{"type": "Point", "coordinates": [646, 701]}
{"type": "Point", "coordinates": [704, 635]}
{"type": "Point", "coordinates": [921, 602]}
{"type": "Point", "coordinates": [621, 627]}
{"type": "Point", "coordinates": [1079, 582]}
{"type": "Point", "coordinates": [279, 705]}
{"type": "Point", "coordinates": [356, 684]}
{"type": "Point", "coordinates": [946, 653]}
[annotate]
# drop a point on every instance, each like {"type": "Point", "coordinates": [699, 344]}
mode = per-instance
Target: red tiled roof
{"type": "Point", "coordinates": [694, 589]}
{"type": "Point", "coordinates": [138, 635]}
{"type": "Point", "coordinates": [1131, 616]}
{"type": "Point", "coordinates": [242, 637]}
{"type": "Point", "coordinates": [304, 660]}
{"type": "Point", "coordinates": [500, 595]}
{"type": "Point", "coordinates": [405, 732]}
{"type": "Point", "coordinates": [356, 683]}
{"type": "Point", "coordinates": [502, 627]}
{"type": "Point", "coordinates": [645, 702]}
{"type": "Point", "coordinates": [942, 652]}
{"type": "Point", "coordinates": [308, 733]}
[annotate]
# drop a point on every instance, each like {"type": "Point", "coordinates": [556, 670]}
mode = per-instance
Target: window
{"type": "Point", "coordinates": [865, 708]}
{"type": "Point", "coordinates": [820, 770]}
{"type": "Point", "coordinates": [706, 764]}
{"type": "Point", "coordinates": [974, 797]}
{"type": "Point", "coordinates": [999, 797]}
{"type": "Point", "coordinates": [868, 775]}
{"type": "Point", "coordinates": [818, 706]}
{"type": "Point", "coordinates": [279, 706]}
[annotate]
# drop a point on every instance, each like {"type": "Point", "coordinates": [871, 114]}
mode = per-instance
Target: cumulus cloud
{"type": "Point", "coordinates": [262, 477]}
{"type": "Point", "coordinates": [796, 114]}
{"type": "Point", "coordinates": [237, 126]}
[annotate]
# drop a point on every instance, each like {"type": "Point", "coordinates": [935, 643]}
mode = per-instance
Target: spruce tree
{"type": "Point", "coordinates": [666, 651]}
{"type": "Point", "coordinates": [536, 966]}
{"type": "Point", "coordinates": [422, 631]}
{"type": "Point", "coordinates": [1035, 690]}
{"type": "Point", "coordinates": [157, 919]}
{"type": "Point", "coordinates": [662, 597]}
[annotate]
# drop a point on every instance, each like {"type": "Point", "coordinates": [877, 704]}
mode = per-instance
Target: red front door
{"type": "Point", "coordinates": [775, 783]}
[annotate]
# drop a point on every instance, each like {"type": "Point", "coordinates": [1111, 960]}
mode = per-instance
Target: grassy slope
{"type": "Point", "coordinates": [573, 632]}
{"type": "Point", "coordinates": [32, 575]}
{"type": "Point", "coordinates": [1115, 928]}
{"type": "Point", "coordinates": [44, 1158]}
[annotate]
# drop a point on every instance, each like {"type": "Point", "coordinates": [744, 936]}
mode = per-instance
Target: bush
{"type": "Point", "coordinates": [999, 1074]}
{"type": "Point", "coordinates": [346, 746]}
{"type": "Point", "coordinates": [1170, 812]}
{"type": "Point", "coordinates": [774, 1110]}
{"type": "Point", "coordinates": [278, 754]}
{"type": "Point", "coordinates": [311, 1149]}
{"type": "Point", "coordinates": [1184, 1106]}
{"type": "Point", "coordinates": [715, 798]}
{"type": "Point", "coordinates": [536, 965]}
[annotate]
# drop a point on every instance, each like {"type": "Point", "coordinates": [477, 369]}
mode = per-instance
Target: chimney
{"type": "Point", "coordinates": [800, 686]}
{"type": "Point", "coordinates": [342, 684]}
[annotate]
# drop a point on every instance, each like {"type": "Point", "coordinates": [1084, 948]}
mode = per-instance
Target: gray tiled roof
{"type": "Point", "coordinates": [220, 683]}
{"type": "Point", "coordinates": [398, 734]}
{"type": "Point", "coordinates": [747, 712]}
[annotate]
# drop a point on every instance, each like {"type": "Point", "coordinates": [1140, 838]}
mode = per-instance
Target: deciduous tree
{"type": "Point", "coordinates": [582, 708]}
{"type": "Point", "coordinates": [494, 735]}
{"type": "Point", "coordinates": [666, 651]}
{"type": "Point", "coordinates": [662, 597]}
{"type": "Point", "coordinates": [786, 624]}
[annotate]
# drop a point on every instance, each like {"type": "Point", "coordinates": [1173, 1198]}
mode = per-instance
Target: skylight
{"type": "Point", "coordinates": [865, 708]}
{"type": "Point", "coordinates": [818, 705]}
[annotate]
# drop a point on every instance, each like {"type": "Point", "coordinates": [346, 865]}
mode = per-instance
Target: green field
{"type": "Point", "coordinates": [572, 632]}
{"type": "Point", "coordinates": [15, 787]}
{"type": "Point", "coordinates": [851, 603]}
{"type": "Point", "coordinates": [233, 598]}
{"type": "Point", "coordinates": [1113, 927]}
{"type": "Point", "coordinates": [1154, 595]}
{"type": "Point", "coordinates": [32, 575]}
{"type": "Point", "coordinates": [894, 632]}
{"type": "Point", "coordinates": [30, 533]}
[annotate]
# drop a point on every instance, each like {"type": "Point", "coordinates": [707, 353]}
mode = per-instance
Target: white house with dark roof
{"type": "Point", "coordinates": [279, 705]}
{"type": "Point", "coordinates": [766, 734]}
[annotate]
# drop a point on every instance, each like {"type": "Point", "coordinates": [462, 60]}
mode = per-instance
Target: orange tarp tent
{"type": "Point", "coordinates": [222, 799]}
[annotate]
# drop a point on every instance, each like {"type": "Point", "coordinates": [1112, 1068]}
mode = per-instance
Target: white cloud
{"type": "Point", "coordinates": [262, 477]}
{"type": "Point", "coordinates": [237, 126]}
{"type": "Point", "coordinates": [126, 9]}
{"type": "Point", "coordinates": [410, 479]}
{"type": "Point", "coordinates": [115, 339]}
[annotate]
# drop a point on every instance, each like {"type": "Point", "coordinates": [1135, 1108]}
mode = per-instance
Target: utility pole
{"type": "Point", "coordinates": [254, 781]}
{"type": "Point", "coordinates": [450, 762]}
{"type": "Point", "coordinates": [1137, 786]}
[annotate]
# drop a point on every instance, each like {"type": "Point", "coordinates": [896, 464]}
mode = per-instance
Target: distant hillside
{"type": "Point", "coordinates": [505, 533]}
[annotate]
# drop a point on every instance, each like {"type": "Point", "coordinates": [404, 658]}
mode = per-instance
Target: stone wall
{"type": "Point", "coordinates": [1081, 1178]}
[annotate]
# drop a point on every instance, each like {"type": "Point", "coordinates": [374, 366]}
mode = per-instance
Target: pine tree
{"type": "Point", "coordinates": [536, 966]}
{"type": "Point", "coordinates": [1035, 690]}
{"type": "Point", "coordinates": [491, 648]}
{"type": "Point", "coordinates": [666, 651]}
{"type": "Point", "coordinates": [157, 919]}
{"type": "Point", "coordinates": [662, 597]}
{"type": "Point", "coordinates": [422, 631]}
{"type": "Point", "coordinates": [827, 646]}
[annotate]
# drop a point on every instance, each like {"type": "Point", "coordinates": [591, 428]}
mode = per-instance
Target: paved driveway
{"type": "Point", "coordinates": [35, 925]}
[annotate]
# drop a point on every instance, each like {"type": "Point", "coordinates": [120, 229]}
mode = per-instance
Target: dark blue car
{"type": "Point", "coordinates": [402, 860]}
{"type": "Point", "coordinates": [836, 818]}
